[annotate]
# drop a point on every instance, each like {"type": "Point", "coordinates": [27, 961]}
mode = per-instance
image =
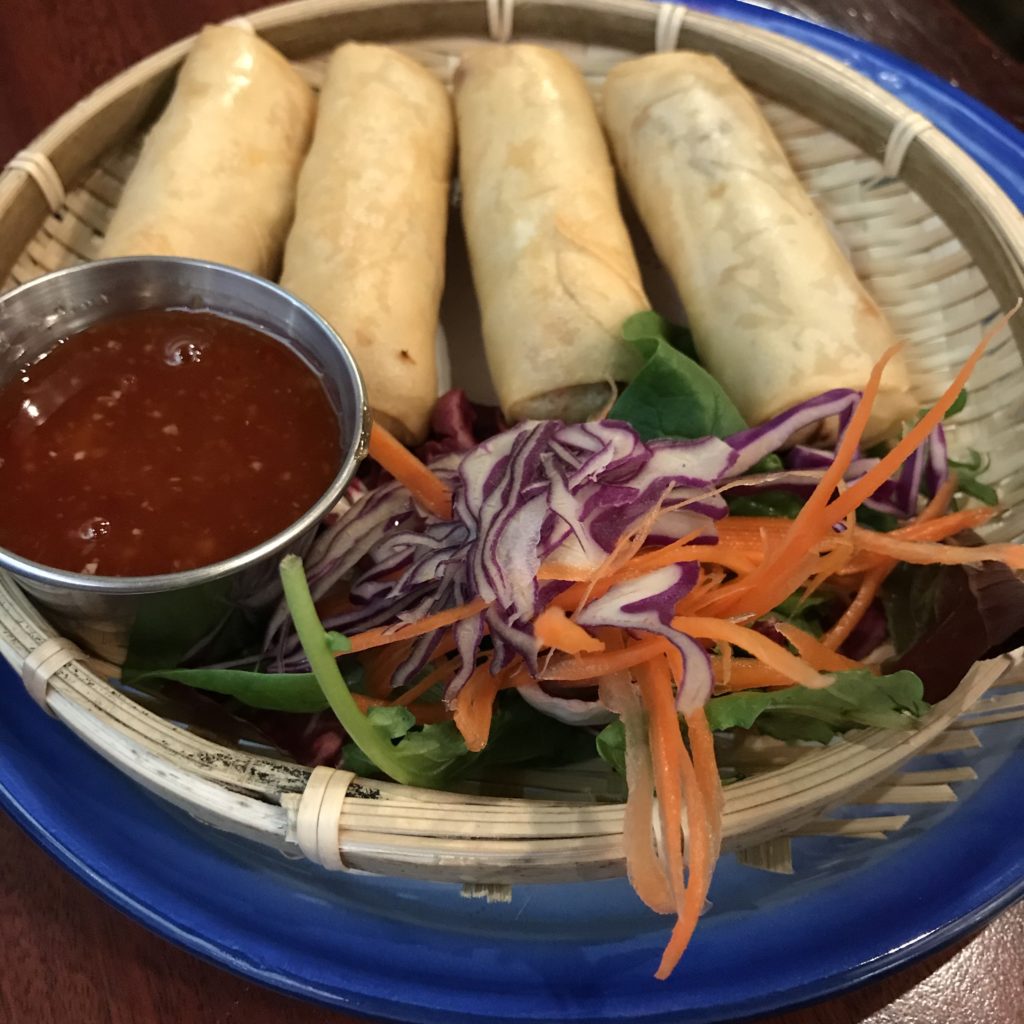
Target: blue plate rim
{"type": "Point", "coordinates": [999, 148]}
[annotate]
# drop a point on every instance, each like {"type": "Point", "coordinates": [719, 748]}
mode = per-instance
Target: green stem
{"type": "Point", "coordinates": [371, 741]}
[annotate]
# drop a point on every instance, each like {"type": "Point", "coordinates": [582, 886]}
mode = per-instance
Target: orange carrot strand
{"type": "Point", "coordinates": [781, 573]}
{"type": "Point", "coordinates": [393, 634]}
{"type": "Point", "coordinates": [593, 666]}
{"type": "Point", "coordinates": [816, 653]}
{"type": "Point", "coordinates": [929, 553]}
{"type": "Point", "coordinates": [863, 488]}
{"type": "Point", "coordinates": [748, 674]}
{"type": "Point", "coordinates": [758, 645]}
{"type": "Point", "coordinates": [667, 750]}
{"type": "Point", "coordinates": [441, 673]}
{"type": "Point", "coordinates": [474, 706]}
{"type": "Point", "coordinates": [554, 629]}
{"type": "Point", "coordinates": [427, 489]}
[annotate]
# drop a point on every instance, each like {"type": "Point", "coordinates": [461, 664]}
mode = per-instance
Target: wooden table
{"type": "Point", "coordinates": [68, 957]}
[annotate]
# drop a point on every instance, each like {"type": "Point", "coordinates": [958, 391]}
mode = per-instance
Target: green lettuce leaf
{"type": "Point", "coordinates": [804, 612]}
{"type": "Point", "coordinates": [271, 691]}
{"type": "Point", "coordinates": [856, 698]}
{"type": "Point", "coordinates": [433, 755]}
{"type": "Point", "coordinates": [672, 395]}
{"type": "Point", "coordinates": [429, 756]}
{"type": "Point", "coordinates": [967, 477]}
{"type": "Point", "coordinates": [611, 745]}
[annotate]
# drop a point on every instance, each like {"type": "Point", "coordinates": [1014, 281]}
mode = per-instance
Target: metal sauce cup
{"type": "Point", "coordinates": [173, 615]}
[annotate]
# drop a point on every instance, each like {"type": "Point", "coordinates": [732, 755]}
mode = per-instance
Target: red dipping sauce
{"type": "Point", "coordinates": [160, 441]}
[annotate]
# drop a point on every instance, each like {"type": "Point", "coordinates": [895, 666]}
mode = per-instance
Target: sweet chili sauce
{"type": "Point", "coordinates": [160, 441]}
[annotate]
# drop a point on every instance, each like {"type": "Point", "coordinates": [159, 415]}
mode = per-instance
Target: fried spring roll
{"type": "Point", "coordinates": [217, 174]}
{"type": "Point", "coordinates": [368, 243]}
{"type": "Point", "coordinates": [552, 263]}
{"type": "Point", "coordinates": [777, 312]}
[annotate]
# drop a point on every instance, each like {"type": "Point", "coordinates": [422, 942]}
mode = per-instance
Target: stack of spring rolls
{"type": "Point", "coordinates": [350, 200]}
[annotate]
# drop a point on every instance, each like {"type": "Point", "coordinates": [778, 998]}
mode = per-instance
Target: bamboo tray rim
{"type": "Point", "coordinates": [892, 131]}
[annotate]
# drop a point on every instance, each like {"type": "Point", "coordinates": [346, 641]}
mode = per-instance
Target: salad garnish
{"type": "Point", "coordinates": [603, 579]}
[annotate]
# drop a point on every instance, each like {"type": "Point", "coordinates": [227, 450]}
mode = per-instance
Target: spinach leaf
{"type": "Point", "coordinates": [672, 395]}
{"type": "Point", "coordinates": [651, 325]}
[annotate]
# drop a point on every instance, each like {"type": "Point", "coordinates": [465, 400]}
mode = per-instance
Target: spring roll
{"type": "Point", "coordinates": [216, 177]}
{"type": "Point", "coordinates": [367, 246]}
{"type": "Point", "coordinates": [777, 312]}
{"type": "Point", "coordinates": [552, 262]}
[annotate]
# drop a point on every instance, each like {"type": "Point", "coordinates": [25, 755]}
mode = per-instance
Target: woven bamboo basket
{"type": "Point", "coordinates": [936, 242]}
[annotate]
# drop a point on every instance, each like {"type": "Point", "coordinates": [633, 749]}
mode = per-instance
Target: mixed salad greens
{"type": "Point", "coordinates": [627, 588]}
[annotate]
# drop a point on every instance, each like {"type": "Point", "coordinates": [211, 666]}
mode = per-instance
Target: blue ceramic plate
{"type": "Point", "coordinates": [419, 952]}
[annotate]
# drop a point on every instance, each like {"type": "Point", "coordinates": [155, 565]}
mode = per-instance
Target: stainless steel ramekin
{"type": "Point", "coordinates": [170, 615]}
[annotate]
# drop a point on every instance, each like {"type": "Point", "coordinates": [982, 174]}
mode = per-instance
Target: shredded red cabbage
{"type": "Point", "coordinates": [566, 493]}
{"type": "Point", "coordinates": [923, 472]}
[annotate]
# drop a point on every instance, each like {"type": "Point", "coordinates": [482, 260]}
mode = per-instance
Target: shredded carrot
{"type": "Point", "coordinates": [569, 599]}
{"type": "Point", "coordinates": [940, 527]}
{"type": "Point", "coordinates": [834, 562]}
{"type": "Point", "coordinates": [554, 629]}
{"type": "Point", "coordinates": [858, 607]}
{"type": "Point", "coordinates": [593, 666]}
{"type": "Point", "coordinates": [748, 674]}
{"type": "Point", "coordinates": [668, 751]}
{"type": "Point", "coordinates": [710, 580]}
{"type": "Point", "coordinates": [705, 764]}
{"type": "Point", "coordinates": [863, 488]}
{"type": "Point", "coordinates": [645, 870]}
{"type": "Point", "coordinates": [380, 667]}
{"type": "Point", "coordinates": [726, 662]}
{"type": "Point", "coordinates": [817, 654]}
{"type": "Point", "coordinates": [756, 644]}
{"type": "Point", "coordinates": [474, 706]}
{"type": "Point", "coordinates": [441, 673]}
{"type": "Point", "coordinates": [425, 487]}
{"type": "Point", "coordinates": [679, 790]}
{"type": "Point", "coordinates": [786, 568]}
{"type": "Point", "coordinates": [928, 553]}
{"type": "Point", "coordinates": [703, 800]}
{"type": "Point", "coordinates": [566, 572]}
{"type": "Point", "coordinates": [931, 524]}
{"type": "Point", "coordinates": [738, 531]}
{"type": "Point", "coordinates": [674, 553]}
{"type": "Point", "coordinates": [941, 499]}
{"type": "Point", "coordinates": [681, 550]}
{"type": "Point", "coordinates": [392, 634]}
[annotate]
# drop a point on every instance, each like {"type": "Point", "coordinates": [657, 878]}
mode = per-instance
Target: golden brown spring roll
{"type": "Point", "coordinates": [777, 312]}
{"type": "Point", "coordinates": [552, 262]}
{"type": "Point", "coordinates": [216, 177]}
{"type": "Point", "coordinates": [367, 246]}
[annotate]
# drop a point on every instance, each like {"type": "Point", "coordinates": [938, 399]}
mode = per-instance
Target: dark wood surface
{"type": "Point", "coordinates": [67, 957]}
